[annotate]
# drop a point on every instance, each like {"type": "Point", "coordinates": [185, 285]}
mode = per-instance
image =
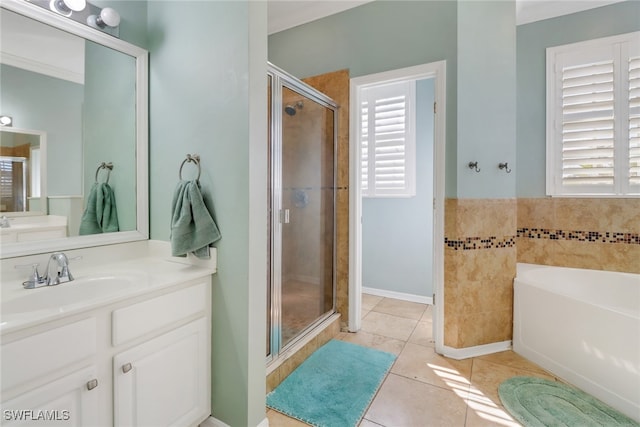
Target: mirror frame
{"type": "Point", "coordinates": [43, 170]}
{"type": "Point", "coordinates": [141, 56]}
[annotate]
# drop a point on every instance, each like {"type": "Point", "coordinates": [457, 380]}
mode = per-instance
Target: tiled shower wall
{"type": "Point", "coordinates": [601, 234]}
{"type": "Point", "coordinates": [336, 86]}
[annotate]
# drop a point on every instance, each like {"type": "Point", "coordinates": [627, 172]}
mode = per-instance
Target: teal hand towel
{"type": "Point", "coordinates": [192, 227]}
{"type": "Point", "coordinates": [100, 215]}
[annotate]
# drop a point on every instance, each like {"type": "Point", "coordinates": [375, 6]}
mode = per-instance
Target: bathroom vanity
{"type": "Point", "coordinates": [127, 343]}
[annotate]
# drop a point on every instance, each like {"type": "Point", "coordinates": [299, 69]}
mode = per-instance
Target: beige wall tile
{"type": "Point", "coordinates": [486, 327]}
{"type": "Point", "coordinates": [536, 213]}
{"type": "Point", "coordinates": [486, 217]}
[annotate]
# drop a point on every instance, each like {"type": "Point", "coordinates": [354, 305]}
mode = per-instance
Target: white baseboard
{"type": "Point", "coordinates": [264, 423]}
{"type": "Point", "coordinates": [397, 295]}
{"type": "Point", "coordinates": [478, 350]}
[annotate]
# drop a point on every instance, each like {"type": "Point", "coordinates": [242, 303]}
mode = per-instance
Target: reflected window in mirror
{"type": "Point", "coordinates": [21, 171]}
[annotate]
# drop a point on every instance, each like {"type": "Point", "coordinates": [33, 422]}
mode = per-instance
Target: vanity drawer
{"type": "Point", "coordinates": [142, 318]}
{"type": "Point", "coordinates": [45, 353]}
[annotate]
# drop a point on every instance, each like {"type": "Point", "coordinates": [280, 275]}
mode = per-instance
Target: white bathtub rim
{"type": "Point", "coordinates": [525, 274]}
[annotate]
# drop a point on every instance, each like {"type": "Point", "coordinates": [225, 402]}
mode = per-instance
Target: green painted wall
{"type": "Point", "coordinates": [532, 41]}
{"type": "Point", "coordinates": [375, 37]}
{"type": "Point", "coordinates": [486, 98]}
{"type": "Point", "coordinates": [208, 96]}
{"type": "Point", "coordinates": [109, 126]}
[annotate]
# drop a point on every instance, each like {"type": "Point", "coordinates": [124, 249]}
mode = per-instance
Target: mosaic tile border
{"type": "Point", "coordinates": [580, 236]}
{"type": "Point", "coordinates": [475, 243]}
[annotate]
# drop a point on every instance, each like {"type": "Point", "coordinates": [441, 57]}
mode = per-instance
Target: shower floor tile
{"type": "Point", "coordinates": [424, 389]}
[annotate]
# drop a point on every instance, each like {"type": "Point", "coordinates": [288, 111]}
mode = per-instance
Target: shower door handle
{"type": "Point", "coordinates": [284, 216]}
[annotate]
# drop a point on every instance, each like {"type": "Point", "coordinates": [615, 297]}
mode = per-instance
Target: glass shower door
{"type": "Point", "coordinates": [302, 206]}
{"type": "Point", "coordinates": [307, 213]}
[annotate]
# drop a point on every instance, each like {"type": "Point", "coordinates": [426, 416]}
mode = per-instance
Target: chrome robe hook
{"type": "Point", "coordinates": [504, 166]}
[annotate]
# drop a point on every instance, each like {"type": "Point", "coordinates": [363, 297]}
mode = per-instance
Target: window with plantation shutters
{"type": "Point", "coordinates": [387, 140]}
{"type": "Point", "coordinates": [593, 117]}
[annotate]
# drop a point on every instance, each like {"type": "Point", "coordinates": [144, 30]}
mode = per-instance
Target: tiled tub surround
{"type": "Point", "coordinates": [601, 234]}
{"type": "Point", "coordinates": [480, 264]}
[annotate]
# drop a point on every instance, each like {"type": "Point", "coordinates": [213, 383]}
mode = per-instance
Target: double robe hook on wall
{"type": "Point", "coordinates": [501, 166]}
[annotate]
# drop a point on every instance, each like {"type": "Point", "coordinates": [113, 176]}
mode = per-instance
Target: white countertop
{"type": "Point", "coordinates": [94, 285]}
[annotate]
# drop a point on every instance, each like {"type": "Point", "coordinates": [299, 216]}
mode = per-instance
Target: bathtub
{"type": "Point", "coordinates": [584, 327]}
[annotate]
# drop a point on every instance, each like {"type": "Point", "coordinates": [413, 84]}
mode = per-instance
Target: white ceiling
{"type": "Point", "coordinates": [284, 14]}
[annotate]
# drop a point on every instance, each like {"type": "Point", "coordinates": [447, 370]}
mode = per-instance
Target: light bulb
{"type": "Point", "coordinates": [6, 121]}
{"type": "Point", "coordinates": [109, 17]}
{"type": "Point", "coordinates": [67, 7]}
{"type": "Point", "coordinates": [75, 5]}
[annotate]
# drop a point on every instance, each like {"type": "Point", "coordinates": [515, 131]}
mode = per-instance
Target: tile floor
{"type": "Point", "coordinates": [424, 389]}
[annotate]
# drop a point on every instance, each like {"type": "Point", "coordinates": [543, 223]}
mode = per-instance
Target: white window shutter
{"type": "Point", "coordinates": [634, 124]}
{"type": "Point", "coordinates": [388, 140]}
{"type": "Point", "coordinates": [588, 125]}
{"type": "Point", "coordinates": [593, 117]}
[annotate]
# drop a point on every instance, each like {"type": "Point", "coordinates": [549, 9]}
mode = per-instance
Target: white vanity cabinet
{"type": "Point", "coordinates": [161, 382]}
{"type": "Point", "coordinates": [164, 381]}
{"type": "Point", "coordinates": [55, 375]}
{"type": "Point", "coordinates": [141, 361]}
{"type": "Point", "coordinates": [71, 400]}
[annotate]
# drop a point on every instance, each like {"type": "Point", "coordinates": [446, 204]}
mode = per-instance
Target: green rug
{"type": "Point", "coordinates": [536, 402]}
{"type": "Point", "coordinates": [334, 386]}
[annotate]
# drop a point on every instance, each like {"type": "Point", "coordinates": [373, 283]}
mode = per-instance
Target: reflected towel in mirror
{"type": "Point", "coordinates": [192, 227]}
{"type": "Point", "coordinates": [100, 215]}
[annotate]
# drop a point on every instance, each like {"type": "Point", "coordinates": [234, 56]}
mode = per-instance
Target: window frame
{"type": "Point", "coordinates": [619, 49]}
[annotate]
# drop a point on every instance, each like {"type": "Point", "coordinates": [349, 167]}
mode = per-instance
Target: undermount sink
{"type": "Point", "coordinates": [82, 290]}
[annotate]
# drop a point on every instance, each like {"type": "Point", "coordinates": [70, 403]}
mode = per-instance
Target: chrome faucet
{"type": "Point", "coordinates": [4, 222]}
{"type": "Point", "coordinates": [57, 272]}
{"type": "Point", "coordinates": [61, 273]}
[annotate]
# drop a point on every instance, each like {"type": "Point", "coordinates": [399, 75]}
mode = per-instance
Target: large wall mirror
{"type": "Point", "coordinates": [79, 103]}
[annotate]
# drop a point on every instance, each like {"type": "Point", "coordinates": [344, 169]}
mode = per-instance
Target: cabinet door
{"type": "Point", "coordinates": [165, 381]}
{"type": "Point", "coordinates": [69, 401]}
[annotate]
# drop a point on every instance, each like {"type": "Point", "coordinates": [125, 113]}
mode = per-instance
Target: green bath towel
{"type": "Point", "coordinates": [100, 215]}
{"type": "Point", "coordinates": [192, 228]}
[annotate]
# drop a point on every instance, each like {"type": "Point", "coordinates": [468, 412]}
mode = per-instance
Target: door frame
{"type": "Point", "coordinates": [436, 71]}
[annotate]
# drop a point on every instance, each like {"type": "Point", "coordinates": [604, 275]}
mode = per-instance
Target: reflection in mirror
{"type": "Point", "coordinates": [87, 94]}
{"type": "Point", "coordinates": [22, 170]}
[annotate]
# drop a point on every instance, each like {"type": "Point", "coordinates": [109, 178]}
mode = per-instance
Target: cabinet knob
{"type": "Point", "coordinates": [126, 367]}
{"type": "Point", "coordinates": [92, 384]}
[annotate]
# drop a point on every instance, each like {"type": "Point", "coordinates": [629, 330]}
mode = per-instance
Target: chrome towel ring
{"type": "Point", "coordinates": [108, 167]}
{"type": "Point", "coordinates": [195, 159]}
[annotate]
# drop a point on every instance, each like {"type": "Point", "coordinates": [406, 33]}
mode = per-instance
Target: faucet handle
{"type": "Point", "coordinates": [35, 280]}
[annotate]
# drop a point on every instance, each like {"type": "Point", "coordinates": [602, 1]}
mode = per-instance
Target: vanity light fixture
{"type": "Point", "coordinates": [6, 121]}
{"type": "Point", "coordinates": [67, 7]}
{"type": "Point", "coordinates": [108, 17]}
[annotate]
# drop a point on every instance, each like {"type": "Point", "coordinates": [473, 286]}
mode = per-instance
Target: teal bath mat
{"type": "Point", "coordinates": [537, 402]}
{"type": "Point", "coordinates": [334, 386]}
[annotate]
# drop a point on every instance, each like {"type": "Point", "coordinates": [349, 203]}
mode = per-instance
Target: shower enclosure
{"type": "Point", "coordinates": [302, 151]}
